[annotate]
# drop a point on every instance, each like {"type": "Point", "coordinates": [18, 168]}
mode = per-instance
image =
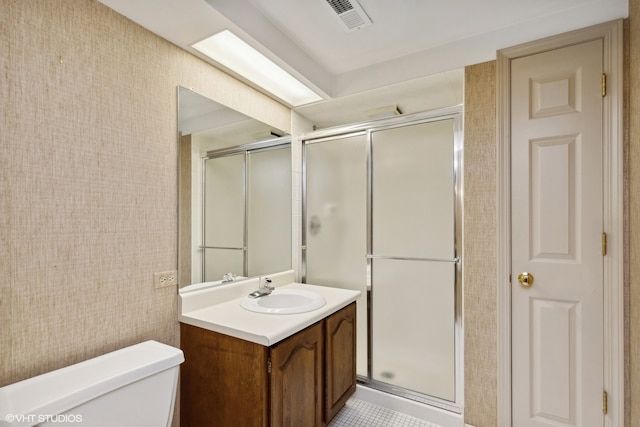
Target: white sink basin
{"type": "Point", "coordinates": [284, 301]}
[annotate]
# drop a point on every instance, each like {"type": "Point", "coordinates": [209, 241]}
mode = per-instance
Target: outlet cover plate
{"type": "Point", "coordinates": [165, 279]}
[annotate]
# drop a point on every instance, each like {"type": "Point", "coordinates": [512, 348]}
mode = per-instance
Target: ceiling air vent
{"type": "Point", "coordinates": [350, 13]}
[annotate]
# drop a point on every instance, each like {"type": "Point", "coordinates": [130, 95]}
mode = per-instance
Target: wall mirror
{"type": "Point", "coordinates": [234, 194]}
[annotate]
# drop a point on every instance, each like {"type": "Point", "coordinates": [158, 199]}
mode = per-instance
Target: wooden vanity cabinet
{"type": "Point", "coordinates": [340, 359]}
{"type": "Point", "coordinates": [223, 380]}
{"type": "Point", "coordinates": [303, 380]}
{"type": "Point", "coordinates": [296, 379]}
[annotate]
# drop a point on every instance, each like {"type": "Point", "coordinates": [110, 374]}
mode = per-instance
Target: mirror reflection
{"type": "Point", "coordinates": [235, 194]}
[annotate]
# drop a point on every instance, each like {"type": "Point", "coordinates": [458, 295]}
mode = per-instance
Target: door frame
{"type": "Point", "coordinates": [612, 35]}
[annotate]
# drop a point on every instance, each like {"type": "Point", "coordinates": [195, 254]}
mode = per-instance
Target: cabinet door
{"type": "Point", "coordinates": [340, 373]}
{"type": "Point", "coordinates": [296, 379]}
{"type": "Point", "coordinates": [223, 381]}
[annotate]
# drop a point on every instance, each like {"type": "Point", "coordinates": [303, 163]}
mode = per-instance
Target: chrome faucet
{"type": "Point", "coordinates": [229, 277]}
{"type": "Point", "coordinates": [264, 288]}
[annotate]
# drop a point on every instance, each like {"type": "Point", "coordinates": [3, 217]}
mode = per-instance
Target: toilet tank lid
{"type": "Point", "coordinates": [57, 391]}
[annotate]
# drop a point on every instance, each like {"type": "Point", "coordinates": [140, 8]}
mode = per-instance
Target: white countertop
{"type": "Point", "coordinates": [218, 309]}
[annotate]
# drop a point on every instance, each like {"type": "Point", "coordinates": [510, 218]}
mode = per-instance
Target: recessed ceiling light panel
{"type": "Point", "coordinates": [233, 53]}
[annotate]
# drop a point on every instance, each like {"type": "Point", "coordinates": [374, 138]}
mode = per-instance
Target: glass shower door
{"type": "Point", "coordinates": [268, 226]}
{"type": "Point", "coordinates": [413, 258]}
{"type": "Point", "coordinates": [380, 214]}
{"type": "Point", "coordinates": [335, 229]}
{"type": "Point", "coordinates": [224, 212]}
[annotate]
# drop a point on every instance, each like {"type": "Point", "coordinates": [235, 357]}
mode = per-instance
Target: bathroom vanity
{"type": "Point", "coordinates": [253, 369]}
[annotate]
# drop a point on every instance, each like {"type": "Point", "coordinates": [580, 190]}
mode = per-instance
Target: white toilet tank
{"type": "Point", "coordinates": [131, 387]}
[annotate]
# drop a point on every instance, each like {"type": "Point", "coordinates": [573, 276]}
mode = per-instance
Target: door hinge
{"type": "Point", "coordinates": [604, 244]}
{"type": "Point", "coordinates": [605, 403]}
{"type": "Point", "coordinates": [269, 365]}
{"type": "Point", "coordinates": [604, 85]}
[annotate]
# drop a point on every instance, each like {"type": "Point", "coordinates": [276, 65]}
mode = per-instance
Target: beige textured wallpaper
{"type": "Point", "coordinates": [88, 180]}
{"type": "Point", "coordinates": [5, 220]}
{"type": "Point", "coordinates": [88, 184]}
{"type": "Point", "coordinates": [634, 207]}
{"type": "Point", "coordinates": [480, 246]}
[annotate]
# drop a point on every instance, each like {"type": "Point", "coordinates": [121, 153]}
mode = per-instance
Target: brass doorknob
{"type": "Point", "coordinates": [525, 279]}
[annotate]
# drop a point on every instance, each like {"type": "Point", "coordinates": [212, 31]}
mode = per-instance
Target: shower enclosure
{"type": "Point", "coordinates": [382, 214]}
{"type": "Point", "coordinates": [246, 202]}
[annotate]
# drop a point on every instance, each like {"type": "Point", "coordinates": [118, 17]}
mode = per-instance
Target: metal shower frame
{"type": "Point", "coordinates": [454, 113]}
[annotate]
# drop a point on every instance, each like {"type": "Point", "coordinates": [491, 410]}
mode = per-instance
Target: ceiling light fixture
{"type": "Point", "coordinates": [232, 52]}
{"type": "Point", "coordinates": [383, 112]}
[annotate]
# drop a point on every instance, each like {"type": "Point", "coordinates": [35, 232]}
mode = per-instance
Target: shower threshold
{"type": "Point", "coordinates": [426, 411]}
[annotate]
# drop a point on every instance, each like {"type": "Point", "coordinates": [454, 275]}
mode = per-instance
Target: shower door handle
{"type": "Point", "coordinates": [455, 260]}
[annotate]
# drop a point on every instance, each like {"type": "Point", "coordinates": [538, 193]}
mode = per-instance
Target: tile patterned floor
{"type": "Point", "coordinates": [358, 413]}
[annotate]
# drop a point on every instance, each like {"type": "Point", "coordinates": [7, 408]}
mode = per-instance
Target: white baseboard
{"type": "Point", "coordinates": [410, 407]}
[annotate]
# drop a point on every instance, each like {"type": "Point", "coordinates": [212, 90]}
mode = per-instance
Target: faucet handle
{"type": "Point", "coordinates": [265, 283]}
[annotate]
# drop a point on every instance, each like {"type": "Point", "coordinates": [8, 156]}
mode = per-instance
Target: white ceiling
{"type": "Point", "coordinates": [411, 45]}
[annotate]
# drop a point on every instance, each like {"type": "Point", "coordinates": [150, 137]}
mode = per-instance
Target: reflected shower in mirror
{"type": "Point", "coordinates": [234, 194]}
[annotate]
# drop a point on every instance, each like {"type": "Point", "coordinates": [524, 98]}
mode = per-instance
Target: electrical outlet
{"type": "Point", "coordinates": [165, 279]}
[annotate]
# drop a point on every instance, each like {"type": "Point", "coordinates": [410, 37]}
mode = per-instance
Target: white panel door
{"type": "Point", "coordinates": [557, 225]}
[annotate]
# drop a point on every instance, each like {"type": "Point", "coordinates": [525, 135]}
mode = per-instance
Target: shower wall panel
{"type": "Point", "coordinates": [336, 212]}
{"type": "Point", "coordinates": [268, 197]}
{"type": "Point", "coordinates": [224, 201]}
{"type": "Point", "coordinates": [413, 197]}
{"type": "Point", "coordinates": [413, 308]}
{"type": "Point", "coordinates": [223, 226]}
